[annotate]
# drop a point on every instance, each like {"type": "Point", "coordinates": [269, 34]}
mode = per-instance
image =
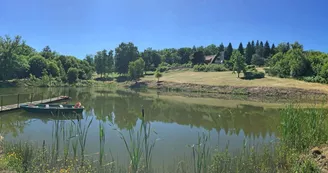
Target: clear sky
{"type": "Point", "coordinates": [80, 27]}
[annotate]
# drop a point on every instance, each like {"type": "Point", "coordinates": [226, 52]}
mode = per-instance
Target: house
{"type": "Point", "coordinates": [217, 59]}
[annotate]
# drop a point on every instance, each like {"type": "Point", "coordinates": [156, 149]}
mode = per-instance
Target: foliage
{"type": "Point", "coordinates": [53, 69]}
{"type": "Point", "coordinates": [228, 52]}
{"type": "Point", "coordinates": [238, 62]}
{"type": "Point", "coordinates": [198, 58]}
{"type": "Point", "coordinates": [124, 54]}
{"type": "Point", "coordinates": [314, 79]}
{"type": "Point", "coordinates": [72, 75]}
{"type": "Point", "coordinates": [136, 69]}
{"type": "Point", "coordinates": [253, 75]}
{"type": "Point", "coordinates": [104, 62]}
{"type": "Point", "coordinates": [37, 65]}
{"type": "Point", "coordinates": [257, 60]}
{"type": "Point", "coordinates": [303, 128]}
{"type": "Point", "coordinates": [210, 67]}
{"type": "Point", "coordinates": [158, 75]}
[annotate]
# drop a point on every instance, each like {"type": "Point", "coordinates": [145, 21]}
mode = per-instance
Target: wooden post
{"type": "Point", "coordinates": [31, 97]}
{"type": "Point", "coordinates": [41, 97]}
{"type": "Point", "coordinates": [1, 102]}
{"type": "Point", "coordinates": [18, 100]}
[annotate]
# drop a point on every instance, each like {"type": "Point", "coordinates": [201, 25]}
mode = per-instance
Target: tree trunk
{"type": "Point", "coordinates": [238, 75]}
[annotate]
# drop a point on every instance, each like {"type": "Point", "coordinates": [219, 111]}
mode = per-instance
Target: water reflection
{"type": "Point", "coordinates": [126, 107]}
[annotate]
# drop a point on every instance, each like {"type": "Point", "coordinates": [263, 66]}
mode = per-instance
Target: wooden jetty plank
{"type": "Point", "coordinates": [15, 106]}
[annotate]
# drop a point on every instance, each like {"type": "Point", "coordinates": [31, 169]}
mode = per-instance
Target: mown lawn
{"type": "Point", "coordinates": [230, 79]}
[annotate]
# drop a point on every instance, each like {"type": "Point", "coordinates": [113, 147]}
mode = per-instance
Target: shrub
{"type": "Point", "coordinates": [257, 60]}
{"type": "Point", "coordinates": [216, 67]}
{"type": "Point", "coordinates": [72, 75]}
{"type": "Point", "coordinates": [210, 67]}
{"type": "Point", "coordinates": [253, 75]}
{"type": "Point", "coordinates": [163, 67]}
{"type": "Point", "coordinates": [266, 70]}
{"type": "Point", "coordinates": [53, 69]}
{"type": "Point", "coordinates": [199, 67]}
{"type": "Point", "coordinates": [251, 68]}
{"type": "Point", "coordinates": [314, 79]}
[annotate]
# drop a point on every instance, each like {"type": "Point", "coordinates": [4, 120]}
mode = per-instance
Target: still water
{"type": "Point", "coordinates": [177, 121]}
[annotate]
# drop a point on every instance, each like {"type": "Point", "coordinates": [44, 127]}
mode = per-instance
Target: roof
{"type": "Point", "coordinates": [209, 58]}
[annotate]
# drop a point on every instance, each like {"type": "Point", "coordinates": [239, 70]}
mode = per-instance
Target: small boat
{"type": "Point", "coordinates": [53, 108]}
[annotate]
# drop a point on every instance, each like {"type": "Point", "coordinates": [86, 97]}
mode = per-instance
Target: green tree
{"type": "Point", "coordinates": [221, 47]}
{"type": "Point", "coordinates": [249, 53]}
{"type": "Point", "coordinates": [100, 62]}
{"type": "Point", "coordinates": [53, 69]}
{"type": "Point", "coordinates": [72, 75]}
{"type": "Point", "coordinates": [267, 50]}
{"type": "Point", "coordinates": [158, 75]}
{"type": "Point", "coordinates": [104, 62]}
{"type": "Point", "coordinates": [90, 60]}
{"type": "Point", "coordinates": [109, 62]}
{"type": "Point", "coordinates": [136, 69]}
{"type": "Point", "coordinates": [37, 65]}
{"type": "Point", "coordinates": [211, 50]}
{"type": "Point", "coordinates": [238, 62]}
{"type": "Point", "coordinates": [185, 54]}
{"type": "Point", "coordinates": [273, 50]}
{"type": "Point", "coordinates": [198, 58]}
{"type": "Point", "coordinates": [8, 56]}
{"type": "Point", "coordinates": [241, 48]}
{"type": "Point", "coordinates": [228, 52]}
{"type": "Point", "coordinates": [125, 53]}
{"type": "Point", "coordinates": [147, 57]}
{"type": "Point", "coordinates": [297, 45]}
{"type": "Point", "coordinates": [47, 53]}
{"type": "Point", "coordinates": [298, 62]}
{"type": "Point", "coordinates": [258, 60]}
{"type": "Point", "coordinates": [21, 67]}
{"type": "Point", "coordinates": [283, 47]}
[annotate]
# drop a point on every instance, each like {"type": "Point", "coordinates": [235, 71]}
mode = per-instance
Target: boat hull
{"type": "Point", "coordinates": [52, 109]}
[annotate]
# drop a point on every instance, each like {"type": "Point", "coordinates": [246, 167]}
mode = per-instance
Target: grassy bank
{"type": "Point", "coordinates": [300, 130]}
{"type": "Point", "coordinates": [52, 82]}
{"type": "Point", "coordinates": [228, 83]}
{"type": "Point", "coordinates": [227, 78]}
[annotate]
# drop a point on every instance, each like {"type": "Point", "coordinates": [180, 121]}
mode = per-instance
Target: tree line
{"type": "Point", "coordinates": [19, 60]}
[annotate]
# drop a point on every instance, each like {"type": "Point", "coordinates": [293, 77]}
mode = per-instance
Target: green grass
{"type": "Point", "coordinates": [303, 128]}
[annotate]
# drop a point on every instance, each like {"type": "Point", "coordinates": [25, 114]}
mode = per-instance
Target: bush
{"type": "Point", "coordinates": [251, 68]}
{"type": "Point", "coordinates": [199, 67]}
{"type": "Point", "coordinates": [253, 75]}
{"type": "Point", "coordinates": [210, 68]}
{"type": "Point", "coordinates": [314, 79]}
{"type": "Point", "coordinates": [72, 75]}
{"type": "Point", "coordinates": [163, 67]}
{"type": "Point", "coordinates": [216, 67]}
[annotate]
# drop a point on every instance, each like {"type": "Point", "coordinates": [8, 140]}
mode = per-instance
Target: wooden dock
{"type": "Point", "coordinates": [16, 106]}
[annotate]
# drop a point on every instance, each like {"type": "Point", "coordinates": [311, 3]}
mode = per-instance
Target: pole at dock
{"type": "Point", "coordinates": [18, 100]}
{"type": "Point", "coordinates": [1, 102]}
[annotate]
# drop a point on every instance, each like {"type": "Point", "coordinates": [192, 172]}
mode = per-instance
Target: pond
{"type": "Point", "coordinates": [177, 121]}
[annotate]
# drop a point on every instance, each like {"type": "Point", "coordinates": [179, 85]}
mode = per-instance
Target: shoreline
{"type": "Point", "coordinates": [252, 93]}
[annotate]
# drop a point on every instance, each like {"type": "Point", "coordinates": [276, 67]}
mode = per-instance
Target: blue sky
{"type": "Point", "coordinates": [80, 27]}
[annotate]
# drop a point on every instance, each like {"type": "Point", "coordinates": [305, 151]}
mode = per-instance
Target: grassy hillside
{"type": "Point", "coordinates": [227, 78]}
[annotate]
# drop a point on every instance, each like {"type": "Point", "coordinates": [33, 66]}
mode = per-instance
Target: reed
{"type": "Point", "coordinates": [303, 128]}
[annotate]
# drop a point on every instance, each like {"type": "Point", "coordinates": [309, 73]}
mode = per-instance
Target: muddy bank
{"type": "Point", "coordinates": [249, 93]}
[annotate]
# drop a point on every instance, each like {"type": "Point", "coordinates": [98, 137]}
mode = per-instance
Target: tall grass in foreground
{"type": "Point", "coordinates": [303, 128]}
{"type": "Point", "coordinates": [139, 147]}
